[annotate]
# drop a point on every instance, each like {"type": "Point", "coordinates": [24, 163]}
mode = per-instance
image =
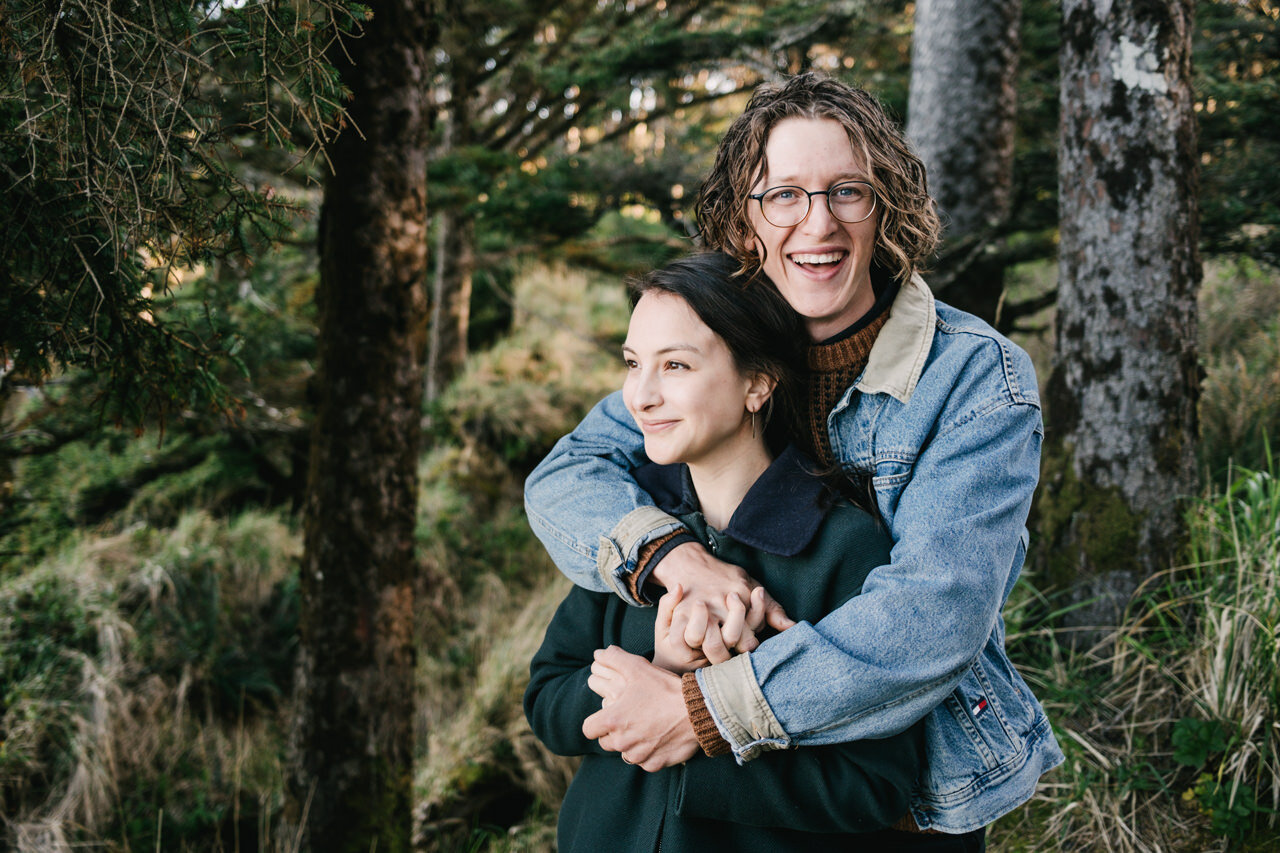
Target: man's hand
{"type": "Point", "coordinates": [643, 717]}
{"type": "Point", "coordinates": [713, 584]}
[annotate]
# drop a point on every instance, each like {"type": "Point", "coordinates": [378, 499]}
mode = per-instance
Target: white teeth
{"type": "Point", "coordinates": [828, 258]}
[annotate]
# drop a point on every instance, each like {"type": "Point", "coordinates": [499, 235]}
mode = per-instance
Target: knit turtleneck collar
{"type": "Point", "coordinates": [851, 347]}
{"type": "Point", "coordinates": [885, 287]}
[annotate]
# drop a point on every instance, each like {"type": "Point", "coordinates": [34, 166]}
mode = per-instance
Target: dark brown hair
{"type": "Point", "coordinates": [908, 220]}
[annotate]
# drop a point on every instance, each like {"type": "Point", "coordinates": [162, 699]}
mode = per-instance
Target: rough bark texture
{"type": "Point", "coordinates": [352, 743]}
{"type": "Point", "coordinates": [1122, 395]}
{"type": "Point", "coordinates": [963, 103]}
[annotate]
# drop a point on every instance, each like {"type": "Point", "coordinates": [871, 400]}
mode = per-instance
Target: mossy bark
{"type": "Point", "coordinates": [1094, 536]}
{"type": "Point", "coordinates": [1121, 403]}
{"type": "Point", "coordinates": [352, 738]}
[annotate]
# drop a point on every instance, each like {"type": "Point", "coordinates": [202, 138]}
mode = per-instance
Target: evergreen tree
{"type": "Point", "coordinates": [120, 130]}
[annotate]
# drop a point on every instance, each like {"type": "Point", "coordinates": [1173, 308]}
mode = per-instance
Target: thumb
{"type": "Point", "coordinates": [666, 606]}
{"type": "Point", "coordinates": [775, 616]}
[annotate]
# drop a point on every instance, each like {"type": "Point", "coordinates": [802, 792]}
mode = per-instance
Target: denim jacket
{"type": "Point", "coordinates": [945, 423]}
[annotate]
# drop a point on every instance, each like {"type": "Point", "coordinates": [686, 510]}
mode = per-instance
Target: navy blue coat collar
{"type": "Point", "coordinates": [780, 514]}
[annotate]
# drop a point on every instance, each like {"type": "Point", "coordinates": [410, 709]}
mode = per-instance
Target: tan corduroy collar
{"type": "Point", "coordinates": [899, 353]}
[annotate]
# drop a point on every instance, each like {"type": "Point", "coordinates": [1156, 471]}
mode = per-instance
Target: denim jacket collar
{"type": "Point", "coordinates": [899, 353]}
{"type": "Point", "coordinates": [780, 513]}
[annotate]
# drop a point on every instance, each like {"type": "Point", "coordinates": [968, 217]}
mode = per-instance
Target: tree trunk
{"type": "Point", "coordinates": [455, 237]}
{"type": "Point", "coordinates": [450, 299]}
{"type": "Point", "coordinates": [352, 742]}
{"type": "Point", "coordinates": [961, 115]}
{"type": "Point", "coordinates": [1123, 391]}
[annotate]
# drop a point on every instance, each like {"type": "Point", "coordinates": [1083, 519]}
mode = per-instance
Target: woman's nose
{"type": "Point", "coordinates": [647, 392]}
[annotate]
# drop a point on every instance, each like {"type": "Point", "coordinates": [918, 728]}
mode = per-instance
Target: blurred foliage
{"type": "Point", "coordinates": [123, 128]}
{"type": "Point", "coordinates": [565, 113]}
{"type": "Point", "coordinates": [1240, 350]}
{"type": "Point", "coordinates": [45, 630]}
{"type": "Point", "coordinates": [1237, 82]}
{"type": "Point", "coordinates": [62, 468]}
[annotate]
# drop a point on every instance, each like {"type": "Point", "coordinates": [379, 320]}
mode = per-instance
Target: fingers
{"type": "Point", "coordinates": [596, 727]}
{"type": "Point", "coordinates": [765, 611]}
{"type": "Point", "coordinates": [713, 646]}
{"type": "Point", "coordinates": [667, 606]}
{"type": "Point", "coordinates": [613, 736]}
{"type": "Point", "coordinates": [614, 659]}
{"type": "Point", "coordinates": [604, 685]}
{"type": "Point", "coordinates": [676, 631]}
{"type": "Point", "coordinates": [734, 621]}
{"type": "Point", "coordinates": [775, 616]}
{"type": "Point", "coordinates": [609, 669]}
{"type": "Point", "coordinates": [757, 611]}
{"type": "Point", "coordinates": [696, 628]}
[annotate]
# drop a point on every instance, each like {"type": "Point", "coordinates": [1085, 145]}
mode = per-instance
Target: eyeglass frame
{"type": "Point", "coordinates": [759, 198]}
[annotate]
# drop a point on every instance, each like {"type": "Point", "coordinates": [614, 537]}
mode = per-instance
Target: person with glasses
{"type": "Point", "coordinates": [932, 418]}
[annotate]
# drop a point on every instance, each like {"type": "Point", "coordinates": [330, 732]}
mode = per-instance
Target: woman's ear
{"type": "Point", "coordinates": [759, 390]}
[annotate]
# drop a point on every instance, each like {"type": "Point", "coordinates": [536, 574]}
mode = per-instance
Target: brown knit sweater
{"type": "Point", "coordinates": [832, 368]}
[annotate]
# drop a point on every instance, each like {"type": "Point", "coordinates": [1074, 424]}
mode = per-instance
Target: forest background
{"type": "Point", "coordinates": [184, 184]}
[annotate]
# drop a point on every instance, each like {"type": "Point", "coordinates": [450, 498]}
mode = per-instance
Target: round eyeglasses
{"type": "Point", "coordinates": [851, 201]}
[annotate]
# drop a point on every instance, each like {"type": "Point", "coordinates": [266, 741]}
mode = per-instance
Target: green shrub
{"type": "Point", "coordinates": [46, 634]}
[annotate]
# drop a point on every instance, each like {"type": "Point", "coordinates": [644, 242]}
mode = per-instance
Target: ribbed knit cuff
{"type": "Point", "coordinates": [704, 725]}
{"type": "Point", "coordinates": [648, 558]}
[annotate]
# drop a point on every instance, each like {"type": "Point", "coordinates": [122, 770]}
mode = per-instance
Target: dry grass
{"type": "Point", "coordinates": [1171, 725]}
{"type": "Point", "coordinates": [493, 589]}
{"type": "Point", "coordinates": [131, 728]}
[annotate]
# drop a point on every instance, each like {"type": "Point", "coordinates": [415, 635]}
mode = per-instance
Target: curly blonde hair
{"type": "Point", "coordinates": [909, 227]}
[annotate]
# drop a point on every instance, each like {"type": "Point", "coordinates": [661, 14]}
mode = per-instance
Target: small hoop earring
{"type": "Point", "coordinates": [753, 423]}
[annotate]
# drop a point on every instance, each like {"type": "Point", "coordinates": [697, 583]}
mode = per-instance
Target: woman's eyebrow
{"type": "Point", "coordinates": [669, 348]}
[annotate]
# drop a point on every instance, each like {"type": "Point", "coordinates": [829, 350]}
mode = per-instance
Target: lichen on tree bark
{"type": "Point", "coordinates": [1123, 391]}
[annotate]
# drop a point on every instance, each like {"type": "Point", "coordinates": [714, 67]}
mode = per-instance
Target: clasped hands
{"type": "Point", "coordinates": [711, 610]}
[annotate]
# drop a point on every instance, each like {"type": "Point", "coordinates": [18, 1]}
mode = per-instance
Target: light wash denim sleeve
{"type": "Point", "coordinates": [888, 656]}
{"type": "Point", "coordinates": [584, 505]}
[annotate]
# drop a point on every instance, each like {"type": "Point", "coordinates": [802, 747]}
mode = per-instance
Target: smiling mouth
{"type": "Point", "coordinates": [655, 426]}
{"type": "Point", "coordinates": [818, 260]}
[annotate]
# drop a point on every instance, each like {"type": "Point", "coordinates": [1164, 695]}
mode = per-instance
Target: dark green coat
{"type": "Point", "coordinates": [812, 554]}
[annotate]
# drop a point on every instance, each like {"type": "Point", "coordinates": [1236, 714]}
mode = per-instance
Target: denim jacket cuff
{"type": "Point", "coordinates": [740, 710]}
{"type": "Point", "coordinates": [616, 556]}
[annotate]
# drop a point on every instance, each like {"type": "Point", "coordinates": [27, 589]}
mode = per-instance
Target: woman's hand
{"type": "Point", "coordinates": [714, 585]}
{"type": "Point", "coordinates": [670, 650]}
{"type": "Point", "coordinates": [643, 715]}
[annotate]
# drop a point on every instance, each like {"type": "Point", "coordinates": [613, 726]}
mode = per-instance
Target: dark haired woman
{"type": "Point", "coordinates": [924, 408]}
{"type": "Point", "coordinates": [707, 358]}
